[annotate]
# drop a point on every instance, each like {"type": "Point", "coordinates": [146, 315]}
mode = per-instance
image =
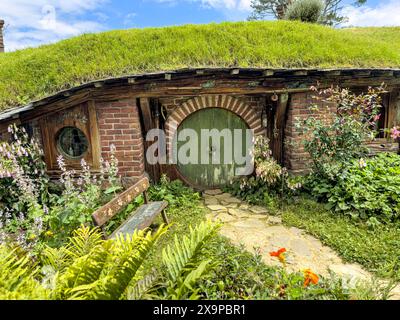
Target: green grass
{"type": "Point", "coordinates": [378, 250]}
{"type": "Point", "coordinates": [34, 73]}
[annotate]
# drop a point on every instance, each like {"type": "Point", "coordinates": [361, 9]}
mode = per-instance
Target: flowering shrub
{"type": "Point", "coordinates": [267, 169]}
{"type": "Point", "coordinates": [82, 195]}
{"type": "Point", "coordinates": [29, 213]}
{"type": "Point", "coordinates": [23, 189]}
{"type": "Point", "coordinates": [333, 138]}
{"type": "Point", "coordinates": [270, 179]}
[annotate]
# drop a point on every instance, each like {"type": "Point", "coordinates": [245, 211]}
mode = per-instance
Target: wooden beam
{"type": "Point", "coordinates": [386, 73]}
{"type": "Point", "coordinates": [300, 73]}
{"type": "Point", "coordinates": [333, 73]}
{"type": "Point", "coordinates": [280, 119]}
{"type": "Point", "coordinates": [145, 109]}
{"type": "Point", "coordinates": [268, 73]}
{"type": "Point", "coordinates": [94, 135]}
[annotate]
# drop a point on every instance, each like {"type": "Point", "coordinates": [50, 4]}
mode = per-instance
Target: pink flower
{"type": "Point", "coordinates": [377, 117]}
{"type": "Point", "coordinates": [395, 133]}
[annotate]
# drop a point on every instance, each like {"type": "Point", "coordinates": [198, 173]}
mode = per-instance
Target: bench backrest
{"type": "Point", "coordinates": [105, 213]}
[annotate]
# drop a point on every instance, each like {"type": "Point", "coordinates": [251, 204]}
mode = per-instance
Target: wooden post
{"type": "Point", "coordinates": [280, 119]}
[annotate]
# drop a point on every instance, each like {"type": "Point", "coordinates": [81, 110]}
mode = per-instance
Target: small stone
{"type": "Point", "coordinates": [258, 209]}
{"type": "Point", "coordinates": [280, 241]}
{"type": "Point", "coordinates": [259, 216]}
{"type": "Point", "coordinates": [213, 192]}
{"type": "Point", "coordinates": [217, 208]}
{"type": "Point", "coordinates": [274, 220]}
{"type": "Point", "coordinates": [231, 200]}
{"type": "Point", "coordinates": [238, 213]}
{"type": "Point", "coordinates": [248, 224]}
{"type": "Point", "coordinates": [296, 231]}
{"type": "Point", "coordinates": [224, 196]}
{"type": "Point", "coordinates": [300, 247]}
{"type": "Point", "coordinates": [244, 206]}
{"type": "Point", "coordinates": [210, 201]}
{"type": "Point", "coordinates": [231, 205]}
{"type": "Point", "coordinates": [224, 217]}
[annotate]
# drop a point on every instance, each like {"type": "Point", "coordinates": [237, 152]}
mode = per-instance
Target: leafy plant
{"type": "Point", "coordinates": [366, 189]}
{"type": "Point", "coordinates": [174, 192]}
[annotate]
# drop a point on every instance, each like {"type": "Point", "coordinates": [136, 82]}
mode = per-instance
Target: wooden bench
{"type": "Point", "coordinates": [140, 219]}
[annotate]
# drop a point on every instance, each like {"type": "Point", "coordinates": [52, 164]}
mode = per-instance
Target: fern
{"type": "Point", "coordinates": [129, 253]}
{"type": "Point", "coordinates": [17, 277]}
{"type": "Point", "coordinates": [80, 244]}
{"type": "Point", "coordinates": [83, 241]}
{"type": "Point", "coordinates": [144, 288]}
{"type": "Point", "coordinates": [72, 284]}
{"type": "Point", "coordinates": [183, 261]}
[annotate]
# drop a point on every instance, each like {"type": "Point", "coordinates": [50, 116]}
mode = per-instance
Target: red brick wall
{"type": "Point", "coordinates": [296, 159]}
{"type": "Point", "coordinates": [119, 124]}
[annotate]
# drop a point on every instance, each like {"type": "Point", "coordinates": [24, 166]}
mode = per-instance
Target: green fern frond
{"type": "Point", "coordinates": [57, 258]}
{"type": "Point", "coordinates": [183, 255]}
{"type": "Point", "coordinates": [17, 277]}
{"type": "Point", "coordinates": [129, 253]}
{"type": "Point", "coordinates": [84, 271]}
{"type": "Point", "coordinates": [142, 289]}
{"type": "Point", "coordinates": [83, 241]}
{"type": "Point", "coordinates": [80, 244]}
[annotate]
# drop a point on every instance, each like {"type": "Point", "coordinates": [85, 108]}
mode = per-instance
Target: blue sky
{"type": "Point", "coordinates": [35, 22]}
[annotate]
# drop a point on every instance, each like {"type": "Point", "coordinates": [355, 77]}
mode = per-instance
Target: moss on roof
{"type": "Point", "coordinates": [31, 74]}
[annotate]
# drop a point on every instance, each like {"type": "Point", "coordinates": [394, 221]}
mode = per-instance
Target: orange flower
{"type": "Point", "coordinates": [279, 254]}
{"type": "Point", "coordinates": [310, 276]}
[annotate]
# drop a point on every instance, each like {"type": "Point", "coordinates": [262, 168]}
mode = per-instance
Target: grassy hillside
{"type": "Point", "coordinates": [34, 73]}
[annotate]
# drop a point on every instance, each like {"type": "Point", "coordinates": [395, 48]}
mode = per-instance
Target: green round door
{"type": "Point", "coordinates": [208, 144]}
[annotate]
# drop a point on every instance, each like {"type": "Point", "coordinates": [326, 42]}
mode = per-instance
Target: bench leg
{"type": "Point", "coordinates": [164, 216]}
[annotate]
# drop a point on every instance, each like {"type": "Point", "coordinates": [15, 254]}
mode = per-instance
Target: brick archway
{"type": "Point", "coordinates": [230, 103]}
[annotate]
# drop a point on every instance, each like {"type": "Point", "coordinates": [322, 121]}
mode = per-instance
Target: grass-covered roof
{"type": "Point", "coordinates": [31, 74]}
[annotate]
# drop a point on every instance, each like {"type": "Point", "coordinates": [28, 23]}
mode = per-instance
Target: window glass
{"type": "Point", "coordinates": [72, 142]}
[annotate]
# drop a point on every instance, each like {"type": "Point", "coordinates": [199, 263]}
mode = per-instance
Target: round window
{"type": "Point", "coordinates": [72, 142]}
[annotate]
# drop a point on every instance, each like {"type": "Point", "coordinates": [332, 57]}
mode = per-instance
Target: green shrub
{"type": "Point", "coordinates": [174, 192]}
{"type": "Point", "coordinates": [368, 189]}
{"type": "Point", "coordinates": [305, 10]}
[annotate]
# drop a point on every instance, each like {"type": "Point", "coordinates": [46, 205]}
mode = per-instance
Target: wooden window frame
{"type": "Point", "coordinates": [82, 116]}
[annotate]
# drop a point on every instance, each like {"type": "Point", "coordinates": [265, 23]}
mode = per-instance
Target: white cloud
{"type": "Point", "coordinates": [384, 14]}
{"type": "Point", "coordinates": [129, 19]}
{"type": "Point", "coordinates": [233, 9]}
{"type": "Point", "coordinates": [31, 23]}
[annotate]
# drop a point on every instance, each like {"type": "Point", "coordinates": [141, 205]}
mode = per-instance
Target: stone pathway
{"type": "Point", "coordinates": [253, 227]}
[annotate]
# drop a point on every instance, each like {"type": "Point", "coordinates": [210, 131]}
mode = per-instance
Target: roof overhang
{"type": "Point", "coordinates": [13, 113]}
